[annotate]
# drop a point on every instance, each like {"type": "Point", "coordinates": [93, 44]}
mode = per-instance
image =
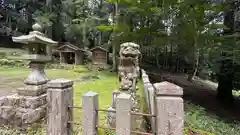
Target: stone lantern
{"type": "Point", "coordinates": [29, 104]}
{"type": "Point", "coordinates": [38, 45]}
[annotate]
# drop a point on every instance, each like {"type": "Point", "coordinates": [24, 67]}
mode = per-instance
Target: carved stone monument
{"type": "Point", "coordinates": [128, 72]}
{"type": "Point", "coordinates": [29, 104]}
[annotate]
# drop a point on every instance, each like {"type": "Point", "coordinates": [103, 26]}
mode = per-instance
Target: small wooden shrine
{"type": "Point", "coordinates": [70, 54]}
{"type": "Point", "coordinates": [99, 56]}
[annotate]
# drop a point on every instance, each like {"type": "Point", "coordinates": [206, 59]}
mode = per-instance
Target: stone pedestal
{"type": "Point", "coordinates": [32, 90]}
{"type": "Point", "coordinates": [21, 111]}
{"type": "Point", "coordinates": [37, 76]}
{"type": "Point", "coordinates": [29, 104]}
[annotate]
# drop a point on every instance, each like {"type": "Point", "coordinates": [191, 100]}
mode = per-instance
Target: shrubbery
{"type": "Point", "coordinates": [13, 63]}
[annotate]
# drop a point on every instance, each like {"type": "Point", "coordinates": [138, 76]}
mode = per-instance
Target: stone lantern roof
{"type": "Point", "coordinates": [35, 36]}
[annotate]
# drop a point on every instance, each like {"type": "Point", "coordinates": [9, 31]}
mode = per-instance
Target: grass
{"type": "Point", "coordinates": [198, 118]}
{"type": "Point", "coordinates": [11, 50]}
{"type": "Point", "coordinates": [104, 86]}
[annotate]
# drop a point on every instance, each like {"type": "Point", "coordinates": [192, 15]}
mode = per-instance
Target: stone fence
{"type": "Point", "coordinates": [165, 105]}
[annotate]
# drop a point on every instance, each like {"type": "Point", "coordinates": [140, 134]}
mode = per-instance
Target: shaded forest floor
{"type": "Point", "coordinates": [200, 96]}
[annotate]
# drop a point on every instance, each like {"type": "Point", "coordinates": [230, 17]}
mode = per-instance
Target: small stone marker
{"type": "Point", "coordinates": [169, 109]}
{"type": "Point", "coordinates": [90, 115]}
{"type": "Point", "coordinates": [123, 116]}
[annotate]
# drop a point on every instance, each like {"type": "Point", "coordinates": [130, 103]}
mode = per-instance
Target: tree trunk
{"type": "Point", "coordinates": [157, 60]}
{"type": "Point", "coordinates": [114, 68]}
{"type": "Point", "coordinates": [171, 57]}
{"type": "Point", "coordinates": [226, 74]}
{"type": "Point", "coordinates": [225, 82]}
{"type": "Point", "coordinates": [196, 67]}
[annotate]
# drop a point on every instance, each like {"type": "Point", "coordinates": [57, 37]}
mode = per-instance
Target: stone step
{"type": "Point", "coordinates": [23, 101]}
{"type": "Point", "coordinates": [21, 116]}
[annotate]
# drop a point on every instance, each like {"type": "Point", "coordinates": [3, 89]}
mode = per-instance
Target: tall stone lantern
{"type": "Point", "coordinates": [37, 44]}
{"type": "Point", "coordinates": [29, 104]}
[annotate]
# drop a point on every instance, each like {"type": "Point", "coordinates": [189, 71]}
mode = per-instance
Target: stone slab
{"type": "Point", "coordinates": [168, 89]}
{"type": "Point", "coordinates": [170, 115]}
{"type": "Point", "coordinates": [34, 115]}
{"type": "Point", "coordinates": [23, 101]}
{"type": "Point", "coordinates": [12, 100]}
{"type": "Point", "coordinates": [60, 83]}
{"type": "Point", "coordinates": [21, 116]}
{"type": "Point", "coordinates": [6, 112]}
{"type": "Point", "coordinates": [32, 90]}
{"type": "Point", "coordinates": [33, 102]}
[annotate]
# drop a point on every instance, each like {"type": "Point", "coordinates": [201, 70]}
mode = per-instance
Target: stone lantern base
{"type": "Point", "coordinates": [29, 104]}
{"type": "Point", "coordinates": [20, 111]}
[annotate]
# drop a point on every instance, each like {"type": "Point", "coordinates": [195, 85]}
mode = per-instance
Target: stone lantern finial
{"type": "Point", "coordinates": [37, 27]}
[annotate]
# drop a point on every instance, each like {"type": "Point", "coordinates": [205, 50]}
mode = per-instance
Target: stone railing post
{"type": "Point", "coordinates": [60, 97]}
{"type": "Point", "coordinates": [90, 115]}
{"type": "Point", "coordinates": [150, 96]}
{"type": "Point", "coordinates": [169, 109]}
{"type": "Point", "coordinates": [123, 114]}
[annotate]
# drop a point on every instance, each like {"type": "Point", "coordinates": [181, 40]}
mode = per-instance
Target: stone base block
{"type": "Point", "coordinates": [23, 101]}
{"type": "Point", "coordinates": [32, 90]}
{"type": "Point", "coordinates": [21, 116]}
{"type": "Point", "coordinates": [20, 111]}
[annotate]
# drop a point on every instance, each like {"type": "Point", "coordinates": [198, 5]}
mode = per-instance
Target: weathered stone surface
{"type": "Point", "coordinates": [90, 115]}
{"type": "Point", "coordinates": [123, 116]}
{"type": "Point", "coordinates": [60, 83]}
{"type": "Point", "coordinates": [32, 90]}
{"type": "Point", "coordinates": [167, 88]}
{"type": "Point", "coordinates": [143, 71]}
{"type": "Point", "coordinates": [6, 112]}
{"type": "Point", "coordinates": [114, 95]}
{"type": "Point", "coordinates": [32, 116]}
{"type": "Point", "coordinates": [58, 101]}
{"type": "Point", "coordinates": [170, 115]}
{"type": "Point", "coordinates": [37, 76]}
{"type": "Point", "coordinates": [33, 102]}
{"type": "Point", "coordinates": [12, 100]}
{"type": "Point", "coordinates": [3, 121]}
{"type": "Point", "coordinates": [111, 117]}
{"type": "Point", "coordinates": [145, 79]}
{"type": "Point", "coordinates": [18, 110]}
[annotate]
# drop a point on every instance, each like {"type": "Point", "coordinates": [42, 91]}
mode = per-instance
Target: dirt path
{"type": "Point", "coordinates": [8, 85]}
{"type": "Point", "coordinates": [199, 92]}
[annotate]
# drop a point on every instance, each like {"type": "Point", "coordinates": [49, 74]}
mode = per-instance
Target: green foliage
{"type": "Point", "coordinates": [80, 69]}
{"type": "Point", "coordinates": [196, 117]}
{"type": "Point", "coordinates": [36, 129]}
{"type": "Point", "coordinates": [13, 63]}
{"type": "Point", "coordinates": [104, 28]}
{"type": "Point", "coordinates": [188, 131]}
{"type": "Point", "coordinates": [44, 18]}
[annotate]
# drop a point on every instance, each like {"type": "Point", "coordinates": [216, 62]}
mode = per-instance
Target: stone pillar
{"type": "Point", "coordinates": [169, 109]}
{"type": "Point", "coordinates": [123, 114]}
{"type": "Point", "coordinates": [60, 97]}
{"type": "Point", "coordinates": [90, 115]}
